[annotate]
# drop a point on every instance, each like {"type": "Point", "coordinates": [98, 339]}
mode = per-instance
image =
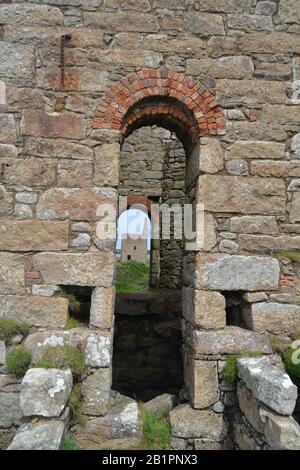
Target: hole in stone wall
{"type": "Point", "coordinates": [79, 304]}
{"type": "Point", "coordinates": [235, 308]}
{"type": "Point", "coordinates": [147, 345]}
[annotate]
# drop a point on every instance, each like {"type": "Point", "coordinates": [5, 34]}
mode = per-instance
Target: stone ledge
{"type": "Point", "coordinates": [239, 273]}
{"type": "Point", "coordinates": [268, 384]}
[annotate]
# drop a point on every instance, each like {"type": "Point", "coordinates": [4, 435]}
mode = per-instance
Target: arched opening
{"type": "Point", "coordinates": [158, 118]}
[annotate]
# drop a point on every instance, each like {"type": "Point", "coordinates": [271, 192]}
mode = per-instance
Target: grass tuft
{"type": "Point", "coordinates": [75, 404]}
{"type": "Point", "coordinates": [229, 372]}
{"type": "Point", "coordinates": [63, 357]}
{"type": "Point", "coordinates": [69, 443]}
{"type": "Point", "coordinates": [10, 328]}
{"type": "Point", "coordinates": [71, 323]}
{"type": "Point", "coordinates": [157, 433]}
{"type": "Point", "coordinates": [292, 255]}
{"type": "Point", "coordinates": [132, 276]}
{"type": "Point", "coordinates": [18, 361]}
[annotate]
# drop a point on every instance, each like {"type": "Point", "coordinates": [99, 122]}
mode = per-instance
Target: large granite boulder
{"type": "Point", "coordinates": [45, 435]}
{"type": "Point", "coordinates": [268, 384]}
{"type": "Point", "coordinates": [121, 428]}
{"type": "Point", "coordinates": [45, 392]}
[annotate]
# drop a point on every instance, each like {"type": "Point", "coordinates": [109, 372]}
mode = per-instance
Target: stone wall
{"type": "Point", "coordinates": [266, 400]}
{"type": "Point", "coordinates": [76, 78]}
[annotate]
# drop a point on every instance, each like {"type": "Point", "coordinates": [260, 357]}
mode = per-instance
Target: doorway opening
{"type": "Point", "coordinates": [147, 359]}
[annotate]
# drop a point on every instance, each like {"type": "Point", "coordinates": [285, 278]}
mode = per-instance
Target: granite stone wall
{"type": "Point", "coordinates": [76, 79]}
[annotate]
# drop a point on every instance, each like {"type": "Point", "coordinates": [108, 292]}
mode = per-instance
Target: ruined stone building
{"type": "Point", "coordinates": [166, 101]}
{"type": "Point", "coordinates": [134, 246]}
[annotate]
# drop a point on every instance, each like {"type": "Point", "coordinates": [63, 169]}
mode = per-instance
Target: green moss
{"type": "Point", "coordinates": [157, 433]}
{"type": "Point", "coordinates": [10, 328]}
{"type": "Point", "coordinates": [71, 323]}
{"type": "Point", "coordinates": [58, 109]}
{"type": "Point", "coordinates": [291, 368]}
{"type": "Point", "coordinates": [279, 345]}
{"type": "Point", "coordinates": [229, 372]}
{"type": "Point", "coordinates": [18, 361]}
{"type": "Point", "coordinates": [75, 404]}
{"type": "Point", "coordinates": [63, 357]}
{"type": "Point", "coordinates": [292, 255]}
{"type": "Point", "coordinates": [132, 276]}
{"type": "Point", "coordinates": [69, 443]}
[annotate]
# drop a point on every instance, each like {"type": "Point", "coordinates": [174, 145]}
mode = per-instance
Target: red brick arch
{"type": "Point", "coordinates": [135, 200]}
{"type": "Point", "coordinates": [162, 96]}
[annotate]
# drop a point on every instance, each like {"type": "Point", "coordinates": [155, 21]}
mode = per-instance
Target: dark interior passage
{"type": "Point", "coordinates": [147, 358]}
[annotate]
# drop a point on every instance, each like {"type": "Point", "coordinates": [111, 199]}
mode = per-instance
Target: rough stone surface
{"type": "Point", "coordinates": [247, 195]}
{"type": "Point", "coordinates": [161, 405]}
{"type": "Point", "coordinates": [122, 426]}
{"type": "Point", "coordinates": [90, 269]}
{"type": "Point", "coordinates": [204, 391]}
{"type": "Point", "coordinates": [16, 61]}
{"type": "Point", "coordinates": [107, 164]}
{"type": "Point", "coordinates": [268, 384]}
{"type": "Point", "coordinates": [96, 393]}
{"type": "Point", "coordinates": [254, 224]}
{"type": "Point", "coordinates": [211, 159]}
{"type": "Point", "coordinates": [282, 433]}
{"type": "Point", "coordinates": [192, 424]}
{"type": "Point", "coordinates": [204, 24]}
{"type": "Point", "coordinates": [204, 309]}
{"type": "Point", "coordinates": [255, 149]}
{"type": "Point", "coordinates": [30, 14]}
{"type": "Point", "coordinates": [225, 67]}
{"type": "Point", "coordinates": [75, 204]}
{"type": "Point", "coordinates": [44, 435]}
{"type": "Point", "coordinates": [12, 273]}
{"type": "Point", "coordinates": [33, 235]}
{"type": "Point", "coordinates": [230, 340]}
{"type": "Point", "coordinates": [36, 311]}
{"type": "Point", "coordinates": [11, 413]}
{"type": "Point", "coordinates": [251, 408]}
{"type": "Point", "coordinates": [30, 172]}
{"type": "Point", "coordinates": [36, 343]}
{"type": "Point", "coordinates": [225, 272]}
{"type": "Point", "coordinates": [98, 351]}
{"type": "Point", "coordinates": [45, 392]}
{"type": "Point", "coordinates": [6, 202]}
{"type": "Point", "coordinates": [273, 317]}
{"type": "Point", "coordinates": [102, 307]}
{"type": "Point", "coordinates": [41, 124]}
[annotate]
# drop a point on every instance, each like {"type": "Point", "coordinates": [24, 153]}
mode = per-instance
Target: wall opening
{"type": "Point", "coordinates": [236, 308]}
{"type": "Point", "coordinates": [79, 304]}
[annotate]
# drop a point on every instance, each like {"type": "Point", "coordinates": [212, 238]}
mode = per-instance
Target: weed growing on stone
{"type": "Point", "coordinates": [69, 443]}
{"type": "Point", "coordinates": [157, 433]}
{"type": "Point", "coordinates": [71, 323]}
{"type": "Point", "coordinates": [75, 404]}
{"type": "Point", "coordinates": [63, 357]}
{"type": "Point", "coordinates": [18, 361]}
{"type": "Point", "coordinates": [10, 328]}
{"type": "Point", "coordinates": [229, 372]}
